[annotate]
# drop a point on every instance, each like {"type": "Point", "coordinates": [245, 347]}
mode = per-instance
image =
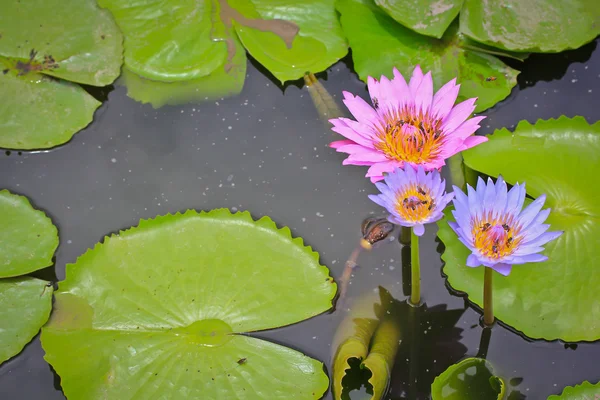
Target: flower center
{"type": "Point", "coordinates": [410, 137]}
{"type": "Point", "coordinates": [415, 203]}
{"type": "Point", "coordinates": [495, 238]}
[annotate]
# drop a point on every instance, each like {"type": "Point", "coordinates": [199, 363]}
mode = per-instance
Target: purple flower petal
{"type": "Point", "coordinates": [501, 268]}
{"type": "Point", "coordinates": [419, 229]}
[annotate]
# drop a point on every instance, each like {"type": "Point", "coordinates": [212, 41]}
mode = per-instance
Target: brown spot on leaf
{"type": "Point", "coordinates": [24, 67]}
{"type": "Point", "coordinates": [286, 30]}
{"type": "Point", "coordinates": [102, 37]}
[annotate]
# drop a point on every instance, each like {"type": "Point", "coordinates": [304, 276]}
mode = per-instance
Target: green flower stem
{"type": "Point", "coordinates": [488, 308]}
{"type": "Point", "coordinates": [405, 235]}
{"type": "Point", "coordinates": [415, 294]}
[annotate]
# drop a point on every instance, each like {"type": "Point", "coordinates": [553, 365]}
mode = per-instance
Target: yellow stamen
{"type": "Point", "coordinates": [496, 237]}
{"type": "Point", "coordinates": [410, 137]}
{"type": "Point", "coordinates": [414, 203]}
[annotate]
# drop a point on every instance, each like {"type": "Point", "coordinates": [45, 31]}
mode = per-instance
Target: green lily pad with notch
{"type": "Point", "coordinates": [554, 299]}
{"type": "Point", "coordinates": [427, 17]}
{"type": "Point", "coordinates": [28, 239]}
{"type": "Point", "coordinates": [370, 334]}
{"type": "Point", "coordinates": [583, 391]}
{"type": "Point", "coordinates": [185, 41]}
{"type": "Point", "coordinates": [25, 305]}
{"type": "Point", "coordinates": [159, 310]}
{"type": "Point", "coordinates": [533, 25]}
{"type": "Point", "coordinates": [40, 50]}
{"type": "Point", "coordinates": [470, 379]}
{"type": "Point", "coordinates": [379, 43]}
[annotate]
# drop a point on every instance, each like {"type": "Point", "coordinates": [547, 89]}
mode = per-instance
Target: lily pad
{"type": "Point", "coordinates": [583, 391]}
{"type": "Point", "coordinates": [183, 41]}
{"type": "Point", "coordinates": [28, 238]}
{"type": "Point", "coordinates": [82, 45]}
{"type": "Point", "coordinates": [41, 112]}
{"type": "Point", "coordinates": [159, 310]}
{"type": "Point", "coordinates": [379, 43]}
{"type": "Point", "coordinates": [559, 158]}
{"type": "Point", "coordinates": [427, 17]}
{"type": "Point", "coordinates": [25, 305]}
{"type": "Point", "coordinates": [370, 334]}
{"type": "Point", "coordinates": [532, 25]}
{"type": "Point", "coordinates": [470, 379]}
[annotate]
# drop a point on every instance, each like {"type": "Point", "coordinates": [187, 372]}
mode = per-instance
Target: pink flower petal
{"type": "Point", "coordinates": [359, 153]}
{"type": "Point", "coordinates": [388, 103]}
{"type": "Point", "coordinates": [424, 94]}
{"type": "Point", "coordinates": [473, 141]}
{"type": "Point", "coordinates": [341, 126]}
{"type": "Point", "coordinates": [458, 115]}
{"type": "Point", "coordinates": [360, 109]}
{"type": "Point", "coordinates": [400, 87]}
{"type": "Point", "coordinates": [415, 81]}
{"type": "Point", "coordinates": [467, 128]}
{"type": "Point", "coordinates": [373, 86]}
{"type": "Point", "coordinates": [444, 99]}
{"type": "Point", "coordinates": [376, 171]}
{"type": "Point", "coordinates": [340, 143]}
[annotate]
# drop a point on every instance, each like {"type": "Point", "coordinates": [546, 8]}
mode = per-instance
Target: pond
{"type": "Point", "coordinates": [266, 151]}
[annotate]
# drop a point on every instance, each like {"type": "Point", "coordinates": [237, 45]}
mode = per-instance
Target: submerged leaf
{"type": "Point", "coordinates": [157, 310]}
{"type": "Point", "coordinates": [25, 305]}
{"type": "Point", "coordinates": [38, 42]}
{"type": "Point", "coordinates": [532, 25]}
{"type": "Point", "coordinates": [427, 17]}
{"type": "Point", "coordinates": [28, 238]}
{"type": "Point", "coordinates": [583, 391]}
{"type": "Point", "coordinates": [370, 334]}
{"type": "Point", "coordinates": [325, 104]}
{"type": "Point", "coordinates": [379, 43]}
{"type": "Point", "coordinates": [470, 379]}
{"type": "Point", "coordinates": [559, 158]}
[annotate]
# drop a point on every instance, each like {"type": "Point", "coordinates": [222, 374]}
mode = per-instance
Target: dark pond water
{"type": "Point", "coordinates": [266, 151]}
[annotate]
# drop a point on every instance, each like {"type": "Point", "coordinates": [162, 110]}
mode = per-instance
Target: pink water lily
{"type": "Point", "coordinates": [407, 124]}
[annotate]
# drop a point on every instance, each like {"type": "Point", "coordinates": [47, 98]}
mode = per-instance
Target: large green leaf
{"type": "Point", "coordinates": [379, 43]}
{"type": "Point", "coordinates": [39, 39]}
{"type": "Point", "coordinates": [427, 17]}
{"type": "Point", "coordinates": [470, 379]}
{"type": "Point", "coordinates": [560, 158]}
{"type": "Point", "coordinates": [186, 41]}
{"type": "Point", "coordinates": [156, 312]}
{"type": "Point", "coordinates": [532, 25]}
{"type": "Point", "coordinates": [28, 238]}
{"type": "Point", "coordinates": [370, 334]}
{"type": "Point", "coordinates": [583, 391]}
{"type": "Point", "coordinates": [25, 305]}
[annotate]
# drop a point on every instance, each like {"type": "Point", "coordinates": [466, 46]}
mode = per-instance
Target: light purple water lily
{"type": "Point", "coordinates": [491, 223]}
{"type": "Point", "coordinates": [413, 197]}
{"type": "Point", "coordinates": [408, 124]}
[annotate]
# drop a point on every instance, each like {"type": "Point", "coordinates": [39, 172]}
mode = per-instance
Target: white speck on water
{"type": "Point", "coordinates": [392, 268]}
{"type": "Point", "coordinates": [303, 219]}
{"type": "Point", "coordinates": [230, 127]}
{"type": "Point", "coordinates": [113, 160]}
{"type": "Point", "coordinates": [69, 242]}
{"type": "Point", "coordinates": [318, 214]}
{"type": "Point", "coordinates": [573, 80]}
{"type": "Point", "coordinates": [230, 178]}
{"type": "Point", "coordinates": [305, 167]}
{"type": "Point", "coordinates": [535, 105]}
{"type": "Point", "coordinates": [589, 90]}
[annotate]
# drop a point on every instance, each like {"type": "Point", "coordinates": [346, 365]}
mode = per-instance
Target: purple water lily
{"type": "Point", "coordinates": [491, 223]}
{"type": "Point", "coordinates": [413, 197]}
